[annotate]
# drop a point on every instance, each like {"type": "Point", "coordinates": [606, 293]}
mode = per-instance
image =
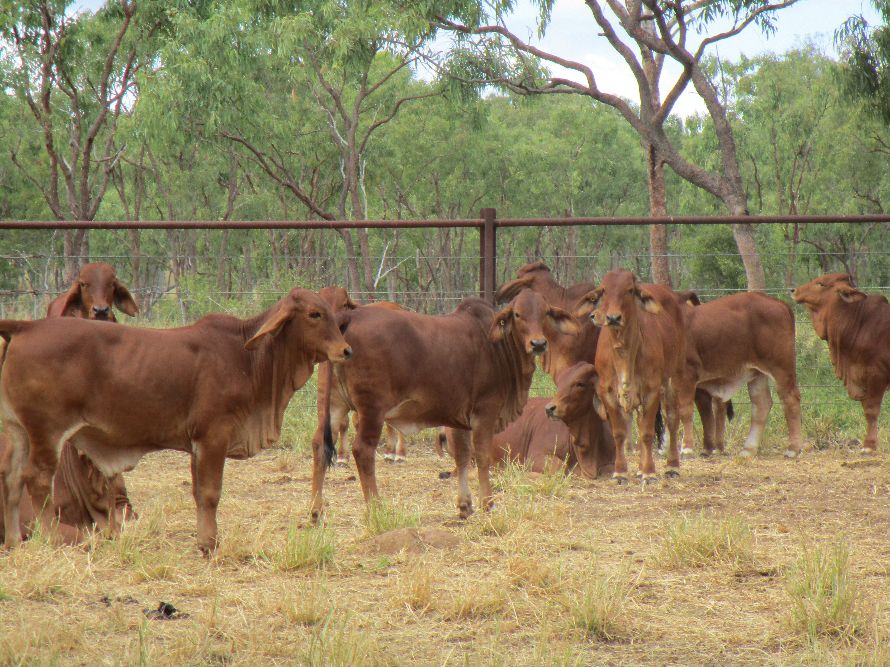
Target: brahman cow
{"type": "Point", "coordinates": [739, 339]}
{"type": "Point", "coordinates": [544, 444]}
{"type": "Point", "coordinates": [214, 389]}
{"type": "Point", "coordinates": [339, 300]}
{"type": "Point", "coordinates": [640, 362]}
{"type": "Point", "coordinates": [470, 370]}
{"type": "Point", "coordinates": [856, 327]}
{"type": "Point", "coordinates": [82, 496]}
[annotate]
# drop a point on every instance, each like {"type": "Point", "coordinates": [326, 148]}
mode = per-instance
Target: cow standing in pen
{"type": "Point", "coordinates": [470, 370]}
{"type": "Point", "coordinates": [640, 363]}
{"type": "Point", "coordinates": [856, 327]}
{"type": "Point", "coordinates": [215, 389]}
{"type": "Point", "coordinates": [82, 496]}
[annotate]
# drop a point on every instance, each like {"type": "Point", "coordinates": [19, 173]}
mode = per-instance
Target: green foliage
{"type": "Point", "coordinates": [383, 515]}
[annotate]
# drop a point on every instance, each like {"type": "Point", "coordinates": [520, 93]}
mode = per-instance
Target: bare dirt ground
{"type": "Point", "coordinates": [507, 593]}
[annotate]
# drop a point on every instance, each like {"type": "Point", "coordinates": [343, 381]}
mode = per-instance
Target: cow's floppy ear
{"type": "Point", "coordinates": [343, 318]}
{"type": "Point", "coordinates": [589, 302]}
{"type": "Point", "coordinates": [850, 279]}
{"type": "Point", "coordinates": [509, 290]}
{"type": "Point", "coordinates": [273, 325]}
{"type": "Point", "coordinates": [690, 297]}
{"type": "Point", "coordinates": [71, 298]}
{"type": "Point", "coordinates": [350, 304]}
{"type": "Point", "coordinates": [564, 322]}
{"type": "Point", "coordinates": [503, 322]}
{"type": "Point", "coordinates": [124, 300]}
{"type": "Point", "coordinates": [849, 294]}
{"type": "Point", "coordinates": [647, 301]}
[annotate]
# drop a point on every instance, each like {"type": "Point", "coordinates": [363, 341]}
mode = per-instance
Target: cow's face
{"type": "Point", "coordinates": [819, 292]}
{"type": "Point", "coordinates": [311, 323]}
{"type": "Point", "coordinates": [94, 292]}
{"type": "Point", "coordinates": [535, 276]}
{"type": "Point", "coordinates": [614, 303]}
{"type": "Point", "coordinates": [575, 391]}
{"type": "Point", "coordinates": [337, 298]}
{"type": "Point", "coordinates": [532, 321]}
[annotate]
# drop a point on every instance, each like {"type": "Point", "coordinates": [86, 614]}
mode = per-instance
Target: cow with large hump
{"type": "Point", "coordinates": [470, 370]}
{"type": "Point", "coordinates": [544, 444]}
{"type": "Point", "coordinates": [82, 496]}
{"type": "Point", "coordinates": [856, 327]}
{"type": "Point", "coordinates": [339, 300]}
{"type": "Point", "coordinates": [215, 389]}
{"type": "Point", "coordinates": [741, 339]}
{"type": "Point", "coordinates": [640, 363]}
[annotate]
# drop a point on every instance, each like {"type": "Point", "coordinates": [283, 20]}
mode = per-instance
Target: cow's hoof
{"type": "Point", "coordinates": [747, 453]}
{"type": "Point", "coordinates": [207, 550]}
{"type": "Point", "coordinates": [619, 478]}
{"type": "Point", "coordinates": [316, 517]}
{"type": "Point", "coordinates": [445, 474]}
{"type": "Point", "coordinates": [686, 451]}
{"type": "Point", "coordinates": [649, 481]}
{"type": "Point", "coordinates": [342, 463]}
{"type": "Point", "coordinates": [464, 510]}
{"type": "Point", "coordinates": [389, 457]}
{"type": "Point", "coordinates": [868, 451]}
{"type": "Point", "coordinates": [791, 454]}
{"type": "Point", "coordinates": [672, 473]}
{"type": "Point", "coordinates": [399, 459]}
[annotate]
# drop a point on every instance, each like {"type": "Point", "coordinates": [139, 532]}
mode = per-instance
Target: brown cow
{"type": "Point", "coordinates": [82, 495]}
{"type": "Point", "coordinates": [339, 300]}
{"type": "Point", "coordinates": [545, 444]}
{"type": "Point", "coordinates": [92, 294]}
{"type": "Point", "coordinates": [856, 327]}
{"type": "Point", "coordinates": [470, 370]}
{"type": "Point", "coordinates": [214, 389]}
{"type": "Point", "coordinates": [640, 361]}
{"type": "Point", "coordinates": [739, 339]}
{"type": "Point", "coordinates": [563, 351]}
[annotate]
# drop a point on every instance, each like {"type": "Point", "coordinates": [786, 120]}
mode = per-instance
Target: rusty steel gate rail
{"type": "Point", "coordinates": [487, 223]}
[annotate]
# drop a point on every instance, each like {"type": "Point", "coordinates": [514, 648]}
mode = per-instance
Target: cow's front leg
{"type": "Point", "coordinates": [207, 474]}
{"type": "Point", "coordinates": [618, 425]}
{"type": "Point", "coordinates": [646, 427]}
{"type": "Point", "coordinates": [482, 436]}
{"type": "Point", "coordinates": [460, 439]}
{"type": "Point", "coordinates": [12, 485]}
{"type": "Point", "coordinates": [364, 449]}
{"type": "Point", "coordinates": [761, 404]}
{"type": "Point", "coordinates": [872, 408]}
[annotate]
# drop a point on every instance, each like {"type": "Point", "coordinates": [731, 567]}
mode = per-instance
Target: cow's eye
{"type": "Point", "coordinates": [580, 385]}
{"type": "Point", "coordinates": [315, 315]}
{"type": "Point", "coordinates": [516, 315]}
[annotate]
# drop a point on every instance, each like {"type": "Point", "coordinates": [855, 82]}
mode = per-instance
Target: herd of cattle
{"type": "Point", "coordinates": [82, 399]}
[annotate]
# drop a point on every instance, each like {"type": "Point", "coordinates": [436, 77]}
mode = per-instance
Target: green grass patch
{"type": "Point", "coordinates": [382, 516]}
{"type": "Point", "coordinates": [599, 608]}
{"type": "Point", "coordinates": [305, 548]}
{"type": "Point", "coordinates": [698, 541]}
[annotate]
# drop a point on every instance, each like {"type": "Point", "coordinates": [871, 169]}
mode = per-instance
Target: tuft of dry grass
{"type": "Point", "coordinates": [698, 541]}
{"type": "Point", "coordinates": [305, 548]}
{"type": "Point", "coordinates": [383, 516]}
{"type": "Point", "coordinates": [140, 548]}
{"type": "Point", "coordinates": [338, 643]}
{"type": "Point", "coordinates": [475, 600]}
{"type": "Point", "coordinates": [415, 588]}
{"type": "Point", "coordinates": [825, 600]}
{"type": "Point", "coordinates": [517, 479]}
{"type": "Point", "coordinates": [599, 608]}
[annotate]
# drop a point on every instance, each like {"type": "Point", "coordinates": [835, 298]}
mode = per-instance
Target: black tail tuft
{"type": "Point", "coordinates": [659, 429]}
{"type": "Point", "coordinates": [730, 412]}
{"type": "Point", "coordinates": [330, 451]}
{"type": "Point", "coordinates": [441, 442]}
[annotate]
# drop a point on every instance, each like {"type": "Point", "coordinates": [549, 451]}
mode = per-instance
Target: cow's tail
{"type": "Point", "coordinates": [659, 429]}
{"type": "Point", "coordinates": [325, 387]}
{"type": "Point", "coordinates": [730, 412]}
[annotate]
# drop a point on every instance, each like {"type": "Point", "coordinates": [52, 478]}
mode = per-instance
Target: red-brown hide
{"type": "Point", "coordinates": [856, 327]}
{"type": "Point", "coordinates": [214, 389]}
{"type": "Point", "coordinates": [470, 370]}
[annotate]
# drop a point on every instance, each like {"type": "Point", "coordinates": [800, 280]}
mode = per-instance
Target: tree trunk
{"type": "Point", "coordinates": [658, 250]}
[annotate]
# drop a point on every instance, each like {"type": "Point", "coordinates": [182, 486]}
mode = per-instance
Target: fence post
{"type": "Point", "coordinates": [488, 250]}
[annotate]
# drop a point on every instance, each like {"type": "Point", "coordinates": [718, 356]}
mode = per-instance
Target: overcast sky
{"type": "Point", "coordinates": [573, 34]}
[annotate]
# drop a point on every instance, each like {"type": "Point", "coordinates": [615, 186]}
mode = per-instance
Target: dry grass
{"type": "Point", "coordinates": [563, 572]}
{"type": "Point", "coordinates": [384, 515]}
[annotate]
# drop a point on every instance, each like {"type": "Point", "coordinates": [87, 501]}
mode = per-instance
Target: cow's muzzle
{"type": "Point", "coordinates": [614, 320]}
{"type": "Point", "coordinates": [101, 312]}
{"type": "Point", "coordinates": [550, 409]}
{"type": "Point", "coordinates": [539, 345]}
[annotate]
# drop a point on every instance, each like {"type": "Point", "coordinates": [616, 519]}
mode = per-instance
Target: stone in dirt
{"type": "Point", "coordinates": [412, 540]}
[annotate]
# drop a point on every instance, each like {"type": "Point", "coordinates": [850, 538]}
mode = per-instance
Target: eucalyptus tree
{"type": "Point", "coordinates": [76, 72]}
{"type": "Point", "coordinates": [302, 89]}
{"type": "Point", "coordinates": [646, 34]}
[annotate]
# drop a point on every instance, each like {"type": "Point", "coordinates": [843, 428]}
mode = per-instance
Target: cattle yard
{"type": "Point", "coordinates": [739, 561]}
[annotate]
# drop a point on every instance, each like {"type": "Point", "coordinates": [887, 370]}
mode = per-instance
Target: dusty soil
{"type": "Point", "coordinates": [501, 594]}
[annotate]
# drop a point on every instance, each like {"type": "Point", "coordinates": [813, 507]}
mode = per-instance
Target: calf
{"type": "Point", "coordinates": [470, 370]}
{"type": "Point", "coordinates": [640, 361]}
{"type": "Point", "coordinates": [214, 389]}
{"type": "Point", "coordinates": [739, 339]}
{"type": "Point", "coordinates": [92, 295]}
{"type": "Point", "coordinates": [856, 327]}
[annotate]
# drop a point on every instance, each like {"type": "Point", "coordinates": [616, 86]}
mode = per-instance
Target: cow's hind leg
{"type": "Point", "coordinates": [789, 394]}
{"type": "Point", "coordinates": [12, 484]}
{"type": "Point", "coordinates": [761, 403]}
{"type": "Point", "coordinates": [461, 443]}
{"type": "Point", "coordinates": [720, 408]}
{"type": "Point", "coordinates": [872, 408]}
{"type": "Point", "coordinates": [674, 409]}
{"type": "Point", "coordinates": [208, 462]}
{"type": "Point", "coordinates": [364, 448]}
{"type": "Point", "coordinates": [481, 440]}
{"type": "Point", "coordinates": [319, 472]}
